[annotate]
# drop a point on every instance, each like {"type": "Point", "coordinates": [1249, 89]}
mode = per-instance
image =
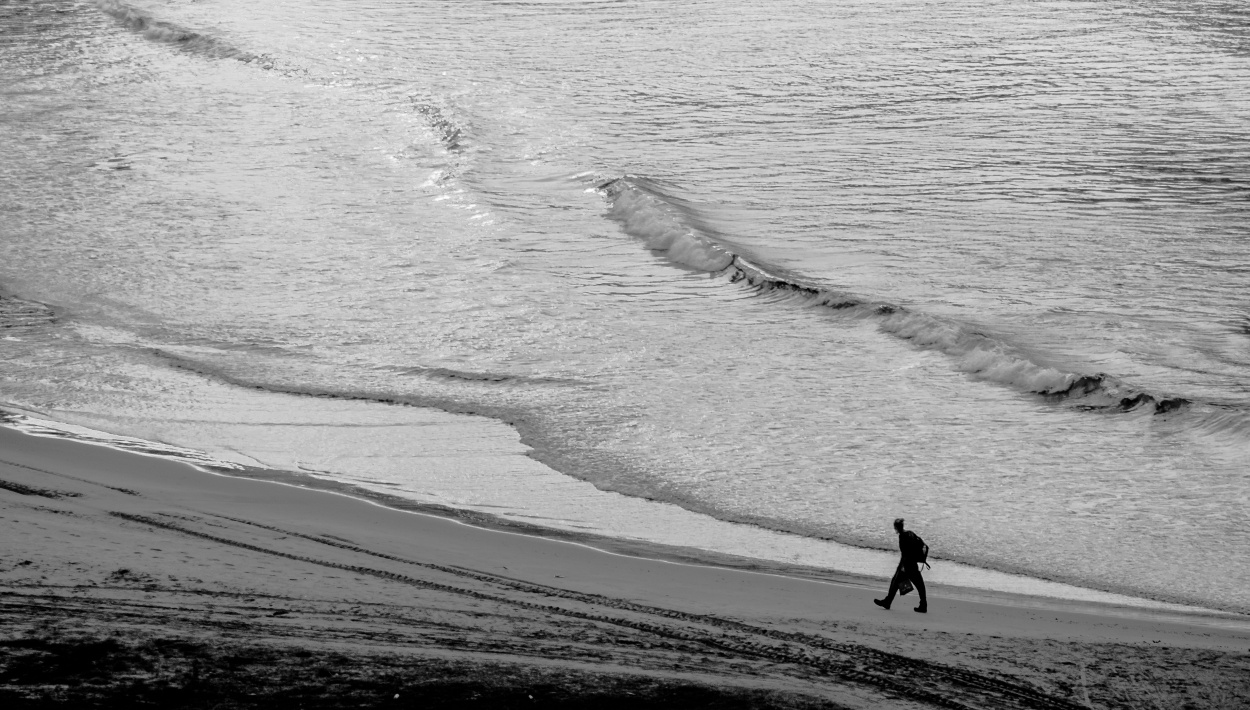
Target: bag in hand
{"type": "Point", "coordinates": [904, 583]}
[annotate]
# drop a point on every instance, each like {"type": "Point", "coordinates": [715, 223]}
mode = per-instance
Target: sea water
{"type": "Point", "coordinates": [755, 278]}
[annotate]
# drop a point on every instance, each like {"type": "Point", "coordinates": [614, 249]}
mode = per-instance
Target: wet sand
{"type": "Point", "coordinates": [128, 579]}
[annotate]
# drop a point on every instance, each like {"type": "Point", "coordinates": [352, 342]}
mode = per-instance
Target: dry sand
{"type": "Point", "coordinates": [134, 581]}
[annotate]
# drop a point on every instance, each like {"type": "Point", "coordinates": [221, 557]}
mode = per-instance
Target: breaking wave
{"type": "Point", "coordinates": [169, 33]}
{"type": "Point", "coordinates": [644, 212]}
{"type": "Point", "coordinates": [663, 227]}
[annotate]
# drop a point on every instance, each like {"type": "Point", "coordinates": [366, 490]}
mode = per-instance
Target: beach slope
{"type": "Point", "coordinates": [137, 581]}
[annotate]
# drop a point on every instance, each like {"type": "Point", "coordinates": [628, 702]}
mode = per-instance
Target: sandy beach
{"type": "Point", "coordinates": [134, 580]}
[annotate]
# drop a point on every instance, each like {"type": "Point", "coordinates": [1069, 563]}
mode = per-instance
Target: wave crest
{"type": "Point", "coordinates": [169, 33]}
{"type": "Point", "coordinates": [662, 227]}
{"type": "Point", "coordinates": [643, 212]}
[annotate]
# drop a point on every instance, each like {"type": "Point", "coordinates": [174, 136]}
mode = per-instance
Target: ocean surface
{"type": "Point", "coordinates": [753, 278]}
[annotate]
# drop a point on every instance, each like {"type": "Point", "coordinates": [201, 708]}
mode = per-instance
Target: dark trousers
{"type": "Point", "coordinates": [907, 570]}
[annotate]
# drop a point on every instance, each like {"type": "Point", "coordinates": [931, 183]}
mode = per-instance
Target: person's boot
{"type": "Point", "coordinates": [883, 603]}
{"type": "Point", "coordinates": [924, 607]}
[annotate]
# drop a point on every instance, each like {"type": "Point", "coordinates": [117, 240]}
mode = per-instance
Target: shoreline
{"type": "Point", "coordinates": [113, 547]}
{"type": "Point", "coordinates": [994, 584]}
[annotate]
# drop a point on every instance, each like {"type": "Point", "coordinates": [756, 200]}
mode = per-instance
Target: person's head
{"type": "Point", "coordinates": [898, 524]}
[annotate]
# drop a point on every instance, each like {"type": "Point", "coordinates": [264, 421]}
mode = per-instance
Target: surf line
{"type": "Point", "coordinates": [664, 225]}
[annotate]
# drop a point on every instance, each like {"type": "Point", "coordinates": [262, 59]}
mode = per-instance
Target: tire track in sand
{"type": "Point", "coordinates": [930, 683]}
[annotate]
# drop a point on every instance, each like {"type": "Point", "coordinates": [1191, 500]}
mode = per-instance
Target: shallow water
{"type": "Point", "coordinates": [799, 265]}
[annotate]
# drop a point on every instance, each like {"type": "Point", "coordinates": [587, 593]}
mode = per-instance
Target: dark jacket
{"type": "Point", "coordinates": [911, 546]}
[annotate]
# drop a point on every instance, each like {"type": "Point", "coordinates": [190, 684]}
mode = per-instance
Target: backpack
{"type": "Point", "coordinates": [916, 549]}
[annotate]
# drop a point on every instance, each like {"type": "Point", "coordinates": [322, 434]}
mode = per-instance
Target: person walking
{"type": "Point", "coordinates": [915, 552]}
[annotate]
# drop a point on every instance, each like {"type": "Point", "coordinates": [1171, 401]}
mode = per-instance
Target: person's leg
{"type": "Point", "coordinates": [889, 598]}
{"type": "Point", "coordinates": [913, 573]}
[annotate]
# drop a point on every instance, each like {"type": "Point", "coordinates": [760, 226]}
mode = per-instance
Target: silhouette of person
{"type": "Point", "coordinates": [914, 553]}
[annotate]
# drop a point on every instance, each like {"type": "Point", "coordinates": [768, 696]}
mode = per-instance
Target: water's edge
{"type": "Point", "coordinates": [1099, 601]}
